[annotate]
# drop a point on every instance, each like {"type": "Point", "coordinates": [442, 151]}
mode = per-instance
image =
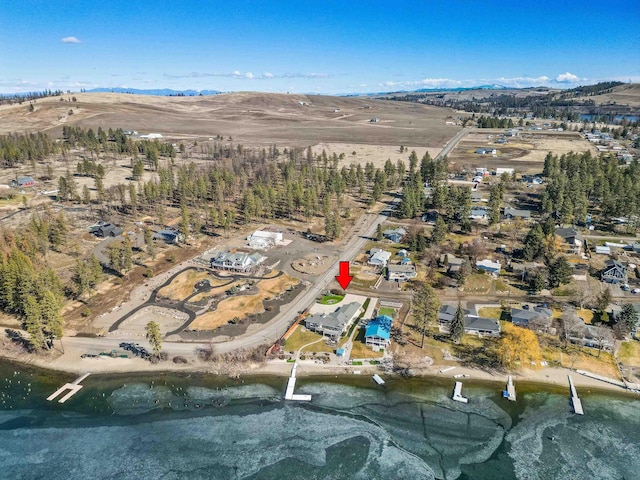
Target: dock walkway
{"type": "Point", "coordinates": [457, 394]}
{"type": "Point", "coordinates": [73, 387]}
{"type": "Point", "coordinates": [575, 401]}
{"type": "Point", "coordinates": [291, 385]}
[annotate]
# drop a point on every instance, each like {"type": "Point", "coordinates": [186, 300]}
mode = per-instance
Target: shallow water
{"type": "Point", "coordinates": [198, 426]}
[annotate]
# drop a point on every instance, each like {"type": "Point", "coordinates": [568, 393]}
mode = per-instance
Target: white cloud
{"type": "Point", "coordinates": [249, 75]}
{"type": "Point", "coordinates": [70, 40]}
{"type": "Point", "coordinates": [567, 78]}
{"type": "Point", "coordinates": [267, 75]}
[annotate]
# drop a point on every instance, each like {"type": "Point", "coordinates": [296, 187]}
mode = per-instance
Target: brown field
{"type": "Point", "coordinates": [249, 118]}
{"type": "Point", "coordinates": [243, 305]}
{"type": "Point", "coordinates": [525, 153]}
{"type": "Point", "coordinates": [376, 154]}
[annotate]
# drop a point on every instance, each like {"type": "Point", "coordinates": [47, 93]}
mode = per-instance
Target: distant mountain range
{"type": "Point", "coordinates": [163, 92]}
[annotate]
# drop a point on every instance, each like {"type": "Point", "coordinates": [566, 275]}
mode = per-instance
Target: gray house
{"type": "Point", "coordinates": [537, 317]}
{"type": "Point", "coordinates": [572, 237]}
{"type": "Point", "coordinates": [614, 272]}
{"type": "Point", "coordinates": [106, 230]}
{"type": "Point", "coordinates": [394, 234]}
{"type": "Point", "coordinates": [473, 324]}
{"type": "Point", "coordinates": [335, 323]}
{"type": "Point", "coordinates": [510, 213]}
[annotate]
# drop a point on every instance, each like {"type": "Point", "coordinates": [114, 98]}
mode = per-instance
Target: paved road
{"type": "Point", "coordinates": [452, 143]}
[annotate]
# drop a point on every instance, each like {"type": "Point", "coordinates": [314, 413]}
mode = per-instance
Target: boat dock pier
{"type": "Point", "coordinates": [73, 387]}
{"type": "Point", "coordinates": [291, 385]}
{"type": "Point", "coordinates": [575, 401]}
{"type": "Point", "coordinates": [510, 392]}
{"type": "Point", "coordinates": [457, 394]}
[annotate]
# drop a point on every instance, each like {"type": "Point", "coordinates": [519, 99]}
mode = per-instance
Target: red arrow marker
{"type": "Point", "coordinates": [344, 279]}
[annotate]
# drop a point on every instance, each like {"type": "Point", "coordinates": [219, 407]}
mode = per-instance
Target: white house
{"type": "Point", "coordinates": [379, 257]}
{"type": "Point", "coordinates": [489, 266]}
{"type": "Point", "coordinates": [401, 272]}
{"type": "Point", "coordinates": [239, 262]}
{"type": "Point", "coordinates": [262, 239]}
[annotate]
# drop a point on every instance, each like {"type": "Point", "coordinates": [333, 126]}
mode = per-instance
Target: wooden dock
{"type": "Point", "coordinates": [73, 388]}
{"type": "Point", "coordinates": [291, 385]}
{"type": "Point", "coordinates": [510, 392]}
{"type": "Point", "coordinates": [457, 394]}
{"type": "Point", "coordinates": [575, 401]}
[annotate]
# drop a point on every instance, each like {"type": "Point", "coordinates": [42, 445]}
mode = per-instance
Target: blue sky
{"type": "Point", "coordinates": [321, 46]}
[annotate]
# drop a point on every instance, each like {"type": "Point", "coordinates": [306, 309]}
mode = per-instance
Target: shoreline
{"type": "Point", "coordinates": [555, 377]}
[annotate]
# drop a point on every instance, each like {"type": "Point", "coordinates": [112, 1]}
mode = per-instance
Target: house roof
{"type": "Point", "coordinates": [447, 312]}
{"type": "Point", "coordinates": [481, 323]}
{"type": "Point", "coordinates": [380, 256]}
{"type": "Point", "coordinates": [394, 231]}
{"type": "Point", "coordinates": [515, 212]}
{"type": "Point", "coordinates": [568, 234]}
{"type": "Point", "coordinates": [379, 327]}
{"type": "Point", "coordinates": [401, 268]}
{"type": "Point", "coordinates": [489, 265]}
{"type": "Point", "coordinates": [519, 315]}
{"type": "Point", "coordinates": [335, 320]}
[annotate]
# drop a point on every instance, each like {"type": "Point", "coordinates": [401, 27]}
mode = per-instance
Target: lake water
{"type": "Point", "coordinates": [197, 426]}
{"type": "Point", "coordinates": [616, 118]}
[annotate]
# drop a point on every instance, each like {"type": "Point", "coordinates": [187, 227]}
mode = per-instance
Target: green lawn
{"type": "Point", "coordinates": [493, 312]}
{"type": "Point", "coordinates": [360, 350]}
{"type": "Point", "coordinates": [299, 338]}
{"type": "Point", "coordinates": [389, 312]}
{"type": "Point", "coordinates": [331, 299]}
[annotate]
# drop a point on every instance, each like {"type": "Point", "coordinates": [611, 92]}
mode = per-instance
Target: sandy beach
{"type": "Point", "coordinates": [106, 365]}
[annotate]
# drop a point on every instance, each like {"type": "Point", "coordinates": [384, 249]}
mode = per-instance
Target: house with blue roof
{"type": "Point", "coordinates": [378, 333]}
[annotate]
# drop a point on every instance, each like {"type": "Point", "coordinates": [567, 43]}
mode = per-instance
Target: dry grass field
{"type": "Point", "coordinates": [182, 286]}
{"type": "Point", "coordinates": [243, 305]}
{"type": "Point", "coordinates": [525, 153]}
{"type": "Point", "coordinates": [249, 118]}
{"type": "Point", "coordinates": [621, 95]}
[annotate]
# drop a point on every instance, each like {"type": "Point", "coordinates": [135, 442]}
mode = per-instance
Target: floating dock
{"type": "Point", "coordinates": [291, 385]}
{"type": "Point", "coordinates": [575, 401]}
{"type": "Point", "coordinates": [73, 387]}
{"type": "Point", "coordinates": [457, 394]}
{"type": "Point", "coordinates": [378, 379]}
{"type": "Point", "coordinates": [510, 392]}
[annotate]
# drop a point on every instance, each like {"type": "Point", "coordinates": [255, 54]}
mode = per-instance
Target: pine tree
{"type": "Point", "coordinates": [456, 330]}
{"type": "Point", "coordinates": [154, 336]}
{"type": "Point", "coordinates": [425, 306]}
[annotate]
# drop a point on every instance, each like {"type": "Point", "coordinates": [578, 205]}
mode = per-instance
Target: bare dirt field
{"type": "Point", "coordinates": [166, 318]}
{"type": "Point", "coordinates": [313, 264]}
{"type": "Point", "coordinates": [249, 118]}
{"type": "Point", "coordinates": [525, 153]}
